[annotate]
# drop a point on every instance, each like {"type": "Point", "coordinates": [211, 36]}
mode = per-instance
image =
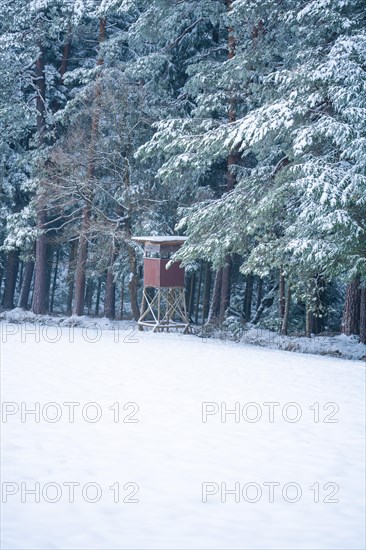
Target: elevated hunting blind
{"type": "Point", "coordinates": [163, 301]}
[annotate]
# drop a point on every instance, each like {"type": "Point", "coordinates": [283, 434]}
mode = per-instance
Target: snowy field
{"type": "Point", "coordinates": [150, 451]}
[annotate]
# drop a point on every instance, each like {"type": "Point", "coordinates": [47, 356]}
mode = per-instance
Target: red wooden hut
{"type": "Point", "coordinates": [163, 305]}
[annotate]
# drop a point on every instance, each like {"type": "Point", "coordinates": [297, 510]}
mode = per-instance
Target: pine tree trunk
{"type": "Point", "coordinates": [308, 318]}
{"type": "Point", "coordinates": [65, 55]}
{"type": "Point", "coordinates": [11, 273]}
{"type": "Point", "coordinates": [110, 295]}
{"type": "Point", "coordinates": [286, 314]}
{"type": "Point", "coordinates": [20, 278]}
{"type": "Point", "coordinates": [351, 313]}
{"type": "Point", "coordinates": [259, 293]}
{"type": "Point", "coordinates": [198, 299]}
{"type": "Point", "coordinates": [89, 298]}
{"type": "Point", "coordinates": [206, 292]}
{"type": "Point", "coordinates": [54, 281]}
{"type": "Point", "coordinates": [281, 293]}
{"type": "Point", "coordinates": [49, 261]}
{"type": "Point", "coordinates": [232, 160]}
{"type": "Point", "coordinates": [248, 297]}
{"type": "Point", "coordinates": [363, 316]}
{"type": "Point", "coordinates": [1, 270]}
{"type": "Point", "coordinates": [26, 286]}
{"type": "Point", "coordinates": [133, 283]}
{"type": "Point", "coordinates": [215, 301]}
{"type": "Point", "coordinates": [225, 288]}
{"type": "Point", "coordinates": [192, 290]}
{"type": "Point", "coordinates": [87, 209]}
{"type": "Point", "coordinates": [122, 296]}
{"type": "Point", "coordinates": [97, 301]}
{"type": "Point", "coordinates": [40, 271]}
{"type": "Point", "coordinates": [71, 276]}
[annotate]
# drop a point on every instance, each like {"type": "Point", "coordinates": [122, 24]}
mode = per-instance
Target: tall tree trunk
{"type": "Point", "coordinates": [65, 55]}
{"type": "Point", "coordinates": [232, 160]}
{"type": "Point", "coordinates": [197, 309]}
{"type": "Point", "coordinates": [110, 295]}
{"type": "Point", "coordinates": [281, 293]}
{"type": "Point", "coordinates": [192, 290]}
{"type": "Point", "coordinates": [133, 283]}
{"type": "Point", "coordinates": [308, 319]}
{"type": "Point", "coordinates": [248, 297]}
{"type": "Point", "coordinates": [20, 279]}
{"type": "Point", "coordinates": [1, 276]}
{"type": "Point", "coordinates": [89, 296]}
{"type": "Point", "coordinates": [351, 313]}
{"type": "Point", "coordinates": [26, 286]}
{"type": "Point", "coordinates": [259, 293]}
{"type": "Point", "coordinates": [286, 313]}
{"type": "Point", "coordinates": [318, 316]}
{"type": "Point", "coordinates": [54, 281]}
{"type": "Point", "coordinates": [206, 292]}
{"type": "Point", "coordinates": [40, 280]}
{"type": "Point", "coordinates": [122, 296]}
{"type": "Point", "coordinates": [87, 209]}
{"type": "Point", "coordinates": [80, 275]}
{"type": "Point", "coordinates": [216, 295]}
{"type": "Point", "coordinates": [363, 316]}
{"type": "Point", "coordinates": [11, 273]}
{"type": "Point", "coordinates": [49, 261]}
{"type": "Point", "coordinates": [1, 263]}
{"type": "Point", "coordinates": [97, 301]}
{"type": "Point", "coordinates": [71, 276]}
{"type": "Point", "coordinates": [225, 288]}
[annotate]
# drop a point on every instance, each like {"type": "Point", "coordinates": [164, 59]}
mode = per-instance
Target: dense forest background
{"type": "Point", "coordinates": [239, 123]}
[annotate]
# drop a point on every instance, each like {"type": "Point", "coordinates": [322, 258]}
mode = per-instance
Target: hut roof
{"type": "Point", "coordinates": [161, 239]}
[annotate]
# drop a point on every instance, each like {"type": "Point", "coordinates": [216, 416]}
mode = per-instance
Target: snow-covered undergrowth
{"type": "Point", "coordinates": [345, 347]}
{"type": "Point", "coordinates": [171, 441]}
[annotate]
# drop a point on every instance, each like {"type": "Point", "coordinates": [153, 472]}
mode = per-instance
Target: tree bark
{"type": "Point", "coordinates": [197, 309]}
{"type": "Point", "coordinates": [351, 313]}
{"type": "Point", "coordinates": [87, 209]}
{"type": "Point", "coordinates": [232, 160]}
{"type": "Point", "coordinates": [11, 273]}
{"type": "Point", "coordinates": [259, 293]}
{"type": "Point", "coordinates": [54, 281]}
{"type": "Point", "coordinates": [65, 55]}
{"type": "Point", "coordinates": [122, 296]}
{"type": "Point", "coordinates": [40, 279]}
{"type": "Point", "coordinates": [282, 300]}
{"type": "Point", "coordinates": [192, 290]}
{"type": "Point", "coordinates": [1, 272]}
{"type": "Point", "coordinates": [363, 316]}
{"type": "Point", "coordinates": [216, 295]}
{"type": "Point", "coordinates": [20, 279]}
{"type": "Point", "coordinates": [133, 282]}
{"type": "Point", "coordinates": [248, 297]}
{"type": "Point", "coordinates": [110, 295]}
{"type": "Point", "coordinates": [26, 286]}
{"type": "Point", "coordinates": [286, 313]}
{"type": "Point", "coordinates": [225, 288]}
{"type": "Point", "coordinates": [89, 296]}
{"type": "Point", "coordinates": [49, 262]}
{"type": "Point", "coordinates": [97, 301]}
{"type": "Point", "coordinates": [206, 292]}
{"type": "Point", "coordinates": [70, 276]}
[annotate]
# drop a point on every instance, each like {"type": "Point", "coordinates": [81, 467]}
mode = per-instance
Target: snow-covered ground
{"type": "Point", "coordinates": [345, 347]}
{"type": "Point", "coordinates": [176, 465]}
